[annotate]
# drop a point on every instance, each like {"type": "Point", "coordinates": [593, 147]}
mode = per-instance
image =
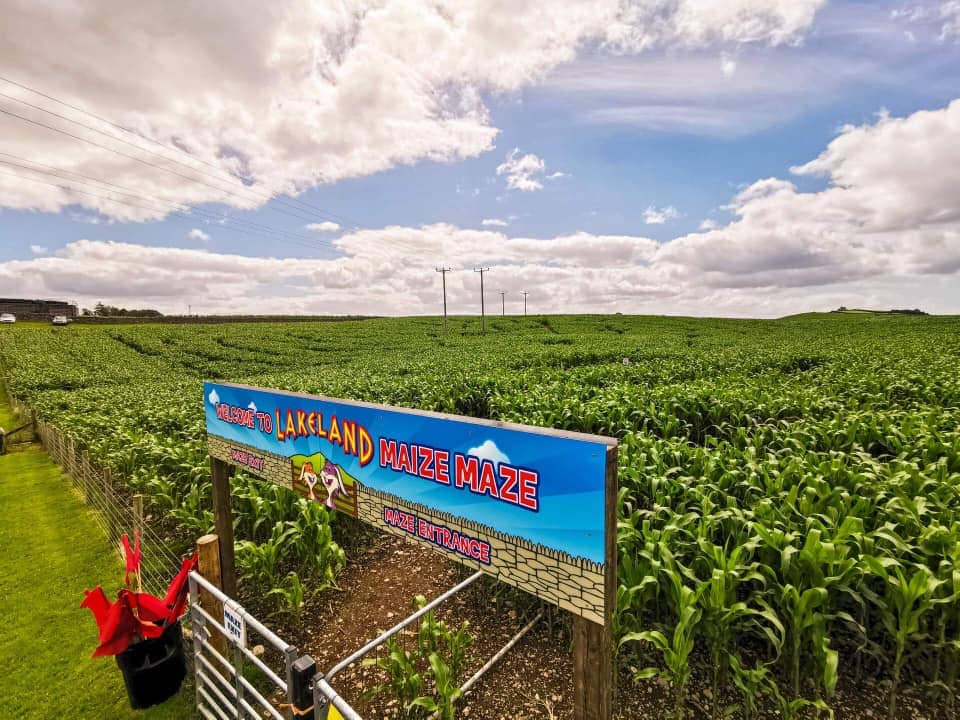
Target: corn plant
{"type": "Point", "coordinates": [909, 600]}
{"type": "Point", "coordinates": [290, 595]}
{"type": "Point", "coordinates": [260, 562]}
{"type": "Point", "coordinates": [405, 682]}
{"type": "Point", "coordinates": [311, 542]}
{"type": "Point", "coordinates": [446, 690]}
{"type": "Point", "coordinates": [723, 615]}
{"type": "Point", "coordinates": [675, 650]}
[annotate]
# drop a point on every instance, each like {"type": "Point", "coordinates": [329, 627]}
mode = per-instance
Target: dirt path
{"type": "Point", "coordinates": [533, 681]}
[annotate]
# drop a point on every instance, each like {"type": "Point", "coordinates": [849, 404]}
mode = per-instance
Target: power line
{"type": "Point", "coordinates": [188, 213]}
{"type": "Point", "coordinates": [131, 204]}
{"type": "Point", "coordinates": [264, 196]}
{"type": "Point", "coordinates": [229, 176]}
{"type": "Point", "coordinates": [139, 160]}
{"type": "Point", "coordinates": [243, 226]}
{"type": "Point", "coordinates": [178, 207]}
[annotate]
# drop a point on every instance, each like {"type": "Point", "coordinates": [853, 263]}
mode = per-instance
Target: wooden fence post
{"type": "Point", "coordinates": [208, 565]}
{"type": "Point", "coordinates": [220, 473]}
{"type": "Point", "coordinates": [138, 512]}
{"type": "Point", "coordinates": [74, 472]}
{"type": "Point", "coordinates": [594, 678]}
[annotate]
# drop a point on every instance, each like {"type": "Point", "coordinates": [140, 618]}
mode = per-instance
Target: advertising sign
{"type": "Point", "coordinates": [528, 505]}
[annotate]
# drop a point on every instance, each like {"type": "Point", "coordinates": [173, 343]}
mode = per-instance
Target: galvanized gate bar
{"type": "Point", "coordinates": [323, 695]}
{"type": "Point", "coordinates": [233, 693]}
{"type": "Point", "coordinates": [225, 694]}
{"type": "Point", "coordinates": [402, 624]}
{"type": "Point", "coordinates": [261, 629]}
{"type": "Point", "coordinates": [207, 715]}
{"type": "Point", "coordinates": [212, 687]}
{"type": "Point", "coordinates": [500, 653]}
{"type": "Point", "coordinates": [323, 692]}
{"type": "Point", "coordinates": [246, 683]}
{"type": "Point", "coordinates": [265, 669]}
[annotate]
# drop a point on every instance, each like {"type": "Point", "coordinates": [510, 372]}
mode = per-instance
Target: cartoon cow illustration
{"type": "Point", "coordinates": [329, 476]}
{"type": "Point", "coordinates": [333, 482]}
{"type": "Point", "coordinates": [309, 478]}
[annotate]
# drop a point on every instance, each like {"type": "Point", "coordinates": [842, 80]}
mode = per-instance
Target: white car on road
{"type": "Point", "coordinates": [8, 318]}
{"type": "Point", "coordinates": [59, 320]}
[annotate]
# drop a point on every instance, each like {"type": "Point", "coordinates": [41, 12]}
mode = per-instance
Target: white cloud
{"type": "Point", "coordinates": [709, 224]}
{"type": "Point", "coordinates": [325, 226]}
{"type": "Point", "coordinates": [754, 87]}
{"type": "Point", "coordinates": [884, 232]}
{"type": "Point", "coordinates": [39, 249]}
{"type": "Point", "coordinates": [524, 172]}
{"type": "Point", "coordinates": [252, 406]}
{"type": "Point", "coordinates": [198, 234]}
{"type": "Point", "coordinates": [488, 450]}
{"type": "Point", "coordinates": [942, 16]}
{"type": "Point", "coordinates": [86, 218]}
{"type": "Point", "coordinates": [658, 216]}
{"type": "Point", "coordinates": [214, 398]}
{"type": "Point", "coordinates": [728, 65]}
{"type": "Point", "coordinates": [950, 16]}
{"type": "Point", "coordinates": [290, 95]}
{"type": "Point", "coordinates": [494, 222]}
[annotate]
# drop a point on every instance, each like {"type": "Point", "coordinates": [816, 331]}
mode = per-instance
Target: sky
{"type": "Point", "coordinates": [739, 158]}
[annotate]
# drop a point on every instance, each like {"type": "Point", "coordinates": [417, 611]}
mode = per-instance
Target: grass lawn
{"type": "Point", "coordinates": [51, 549]}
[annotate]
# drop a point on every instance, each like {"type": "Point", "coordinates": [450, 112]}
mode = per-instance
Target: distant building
{"type": "Point", "coordinates": [37, 309]}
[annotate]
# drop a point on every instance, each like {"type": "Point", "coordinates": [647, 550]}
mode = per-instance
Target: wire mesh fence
{"type": "Point", "coordinates": [118, 511]}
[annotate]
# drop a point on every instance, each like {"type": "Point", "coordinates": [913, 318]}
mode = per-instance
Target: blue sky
{"type": "Point", "coordinates": [674, 123]}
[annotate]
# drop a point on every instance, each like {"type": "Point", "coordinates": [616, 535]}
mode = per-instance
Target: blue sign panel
{"type": "Point", "coordinates": [496, 494]}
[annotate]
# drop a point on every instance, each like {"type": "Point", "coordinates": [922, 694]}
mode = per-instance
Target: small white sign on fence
{"type": "Point", "coordinates": [233, 623]}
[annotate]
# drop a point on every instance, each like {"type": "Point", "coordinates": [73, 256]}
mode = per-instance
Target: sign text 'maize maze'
{"type": "Point", "coordinates": [528, 505]}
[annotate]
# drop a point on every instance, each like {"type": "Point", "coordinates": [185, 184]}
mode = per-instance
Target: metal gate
{"type": "Point", "coordinates": [224, 692]}
{"type": "Point", "coordinates": [224, 688]}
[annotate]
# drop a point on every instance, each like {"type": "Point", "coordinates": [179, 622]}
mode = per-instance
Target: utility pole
{"type": "Point", "coordinates": [524, 293]}
{"type": "Point", "coordinates": [503, 304]}
{"type": "Point", "coordinates": [444, 271]}
{"type": "Point", "coordinates": [483, 316]}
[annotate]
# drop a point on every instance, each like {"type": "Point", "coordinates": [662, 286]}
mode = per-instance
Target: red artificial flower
{"type": "Point", "coordinates": [176, 597]}
{"type": "Point", "coordinates": [136, 616]}
{"type": "Point", "coordinates": [133, 556]}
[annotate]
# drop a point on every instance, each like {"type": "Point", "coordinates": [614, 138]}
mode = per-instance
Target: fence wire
{"type": "Point", "coordinates": [113, 508]}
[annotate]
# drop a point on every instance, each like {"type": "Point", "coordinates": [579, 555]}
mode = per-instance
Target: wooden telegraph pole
{"type": "Point", "coordinates": [483, 317]}
{"type": "Point", "coordinates": [444, 271]}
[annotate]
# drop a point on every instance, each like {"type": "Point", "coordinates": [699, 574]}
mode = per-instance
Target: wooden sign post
{"type": "Point", "coordinates": [594, 675]}
{"type": "Point", "coordinates": [533, 507]}
{"type": "Point", "coordinates": [220, 473]}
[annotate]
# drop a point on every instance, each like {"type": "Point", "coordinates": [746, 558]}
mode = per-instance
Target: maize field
{"type": "Point", "coordinates": [789, 490]}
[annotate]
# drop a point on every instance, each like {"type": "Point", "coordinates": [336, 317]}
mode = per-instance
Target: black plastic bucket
{"type": "Point", "coordinates": [153, 670]}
